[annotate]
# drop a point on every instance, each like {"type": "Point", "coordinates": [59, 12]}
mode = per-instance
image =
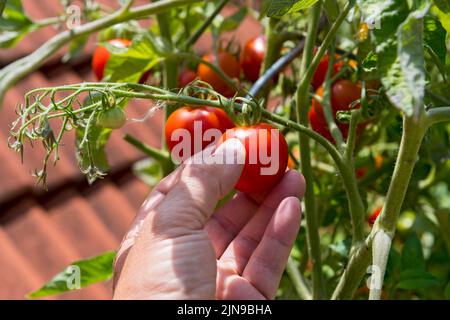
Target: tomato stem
{"type": "Point", "coordinates": [12, 73]}
{"type": "Point", "coordinates": [161, 156]}
{"type": "Point", "coordinates": [198, 33]}
{"type": "Point", "coordinates": [299, 282]}
{"type": "Point", "coordinates": [302, 99]}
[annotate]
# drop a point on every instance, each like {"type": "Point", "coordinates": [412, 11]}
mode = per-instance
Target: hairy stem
{"type": "Point", "coordinates": [302, 101]}
{"type": "Point", "coordinates": [413, 133]}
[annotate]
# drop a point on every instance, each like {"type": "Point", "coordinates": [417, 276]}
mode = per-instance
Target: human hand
{"type": "Point", "coordinates": [180, 247]}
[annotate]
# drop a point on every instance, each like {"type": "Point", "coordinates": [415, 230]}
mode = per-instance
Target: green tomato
{"type": "Point", "coordinates": [113, 118]}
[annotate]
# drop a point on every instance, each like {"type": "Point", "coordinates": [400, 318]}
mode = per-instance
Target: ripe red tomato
{"type": "Point", "coordinates": [373, 216]}
{"type": "Point", "coordinates": [101, 57]}
{"type": "Point", "coordinates": [230, 66]}
{"type": "Point", "coordinates": [321, 71]}
{"type": "Point", "coordinates": [185, 77]}
{"type": "Point", "coordinates": [252, 57]}
{"type": "Point", "coordinates": [185, 118]}
{"type": "Point", "coordinates": [343, 94]}
{"type": "Point", "coordinates": [258, 140]}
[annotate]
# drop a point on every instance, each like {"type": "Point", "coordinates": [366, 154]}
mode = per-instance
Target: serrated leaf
{"type": "Point", "coordinates": [412, 255]}
{"type": "Point", "coordinates": [412, 65]}
{"type": "Point", "coordinates": [278, 8]}
{"type": "Point", "coordinates": [434, 37]}
{"type": "Point", "coordinates": [400, 50]}
{"type": "Point", "coordinates": [302, 4]}
{"type": "Point", "coordinates": [89, 271]}
{"type": "Point", "coordinates": [413, 279]}
{"type": "Point", "coordinates": [128, 65]}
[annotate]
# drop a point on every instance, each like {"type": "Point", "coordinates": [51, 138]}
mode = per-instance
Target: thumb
{"type": "Point", "coordinates": [205, 179]}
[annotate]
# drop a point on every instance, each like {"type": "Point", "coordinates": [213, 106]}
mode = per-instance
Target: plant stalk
{"type": "Point", "coordinates": [302, 100]}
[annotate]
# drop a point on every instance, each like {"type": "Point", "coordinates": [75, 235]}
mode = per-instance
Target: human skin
{"type": "Point", "coordinates": [181, 247]}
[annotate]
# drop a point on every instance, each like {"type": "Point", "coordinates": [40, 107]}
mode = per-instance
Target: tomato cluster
{"type": "Point", "coordinates": [268, 141]}
{"type": "Point", "coordinates": [249, 62]}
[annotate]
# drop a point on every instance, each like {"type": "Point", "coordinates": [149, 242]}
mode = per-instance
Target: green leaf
{"type": "Point", "coordinates": [412, 255]}
{"type": "Point", "coordinates": [447, 291]}
{"type": "Point", "coordinates": [91, 157]}
{"type": "Point", "coordinates": [78, 275]}
{"type": "Point", "coordinates": [232, 22]}
{"type": "Point", "coordinates": [412, 279]}
{"type": "Point", "coordinates": [128, 65]}
{"type": "Point", "coordinates": [278, 8]}
{"type": "Point", "coordinates": [301, 5]}
{"type": "Point", "coordinates": [443, 5]}
{"type": "Point", "coordinates": [399, 46]}
{"type": "Point", "coordinates": [369, 63]}
{"type": "Point", "coordinates": [148, 170]}
{"type": "Point", "coordinates": [14, 24]}
{"type": "Point", "coordinates": [434, 37]}
{"type": "Point", "coordinates": [383, 16]}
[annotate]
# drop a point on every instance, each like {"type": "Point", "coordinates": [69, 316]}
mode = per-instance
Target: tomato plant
{"type": "Point", "coordinates": [266, 141]}
{"type": "Point", "coordinates": [362, 110]}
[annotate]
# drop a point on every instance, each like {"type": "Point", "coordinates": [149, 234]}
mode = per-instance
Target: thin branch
{"type": "Point", "coordinates": [437, 115]}
{"type": "Point", "coordinates": [12, 73]}
{"type": "Point", "coordinates": [198, 33]}
{"type": "Point", "coordinates": [297, 279]}
{"type": "Point", "coordinates": [302, 101]}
